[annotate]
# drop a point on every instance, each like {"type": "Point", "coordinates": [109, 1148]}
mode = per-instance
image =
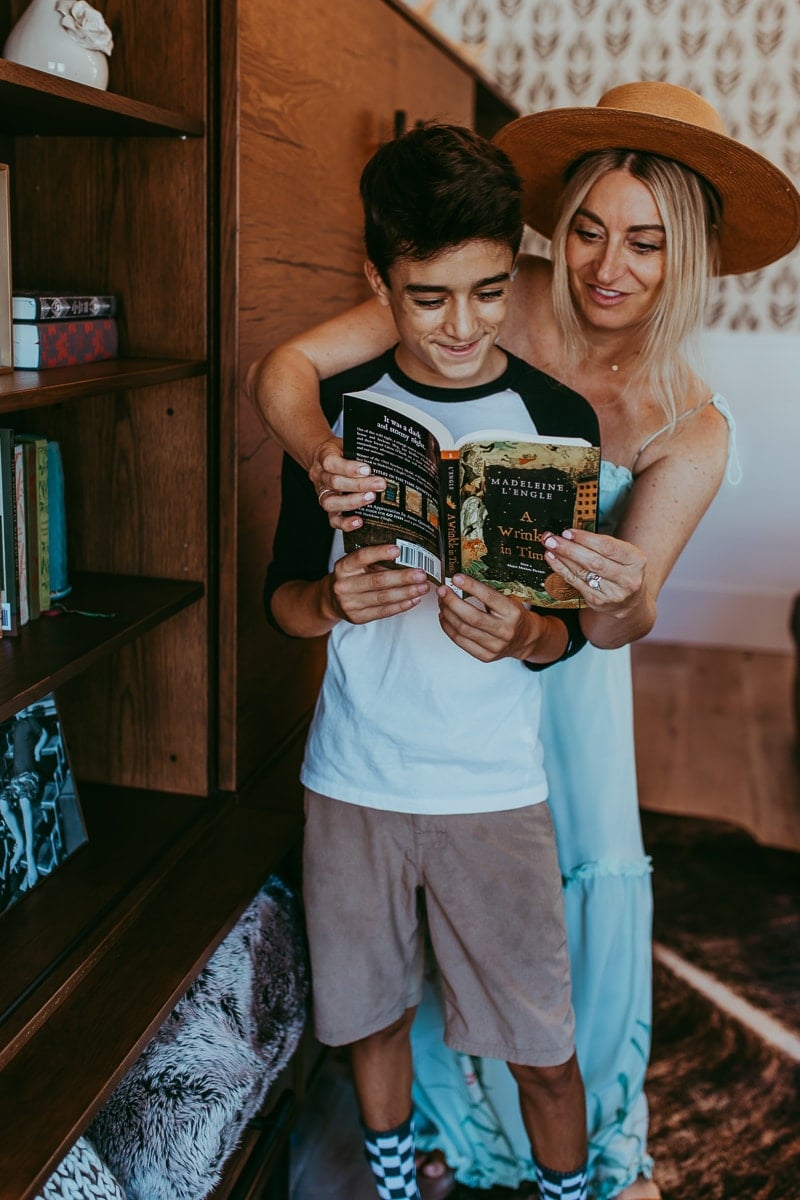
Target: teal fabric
{"type": "Point", "coordinates": [469, 1107]}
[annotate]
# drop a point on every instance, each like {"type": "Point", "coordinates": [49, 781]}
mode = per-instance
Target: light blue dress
{"type": "Point", "coordinates": [469, 1107]}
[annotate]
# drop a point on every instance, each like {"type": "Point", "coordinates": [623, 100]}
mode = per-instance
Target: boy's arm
{"type": "Point", "coordinates": [302, 597]}
{"type": "Point", "coordinates": [357, 590]}
{"type": "Point", "coordinates": [502, 626]}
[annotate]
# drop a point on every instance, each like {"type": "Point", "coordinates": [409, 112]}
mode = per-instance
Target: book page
{"type": "Point", "coordinates": [402, 448]}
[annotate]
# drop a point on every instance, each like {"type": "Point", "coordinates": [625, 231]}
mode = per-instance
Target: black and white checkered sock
{"type": "Point", "coordinates": [391, 1157]}
{"type": "Point", "coordinates": [561, 1185]}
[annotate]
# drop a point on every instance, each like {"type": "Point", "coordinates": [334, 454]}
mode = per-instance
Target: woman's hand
{"type": "Point", "coordinates": [342, 484]}
{"type": "Point", "coordinates": [361, 589]}
{"type": "Point", "coordinates": [501, 628]}
{"type": "Point", "coordinates": [608, 573]}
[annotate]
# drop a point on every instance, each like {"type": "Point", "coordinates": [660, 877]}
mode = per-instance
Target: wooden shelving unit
{"type": "Point", "coordinates": [214, 190]}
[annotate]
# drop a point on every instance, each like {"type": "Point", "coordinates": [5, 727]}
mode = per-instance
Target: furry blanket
{"type": "Point", "coordinates": [179, 1113]}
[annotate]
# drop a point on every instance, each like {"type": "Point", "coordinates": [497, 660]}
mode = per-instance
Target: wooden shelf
{"type": "Point", "coordinates": [52, 650]}
{"type": "Point", "coordinates": [37, 389]}
{"type": "Point", "coordinates": [54, 1081]}
{"type": "Point", "coordinates": [35, 102]}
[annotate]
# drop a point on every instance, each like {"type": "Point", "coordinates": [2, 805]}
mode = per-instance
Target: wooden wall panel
{"type": "Point", "coordinates": [319, 89]}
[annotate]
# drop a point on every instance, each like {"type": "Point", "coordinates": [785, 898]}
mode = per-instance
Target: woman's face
{"type": "Point", "coordinates": [615, 253]}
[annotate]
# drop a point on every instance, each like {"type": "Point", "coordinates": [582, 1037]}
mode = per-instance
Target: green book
{"type": "Point", "coordinates": [42, 516]}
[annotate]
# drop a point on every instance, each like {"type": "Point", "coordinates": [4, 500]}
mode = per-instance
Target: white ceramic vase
{"type": "Point", "coordinates": [64, 38]}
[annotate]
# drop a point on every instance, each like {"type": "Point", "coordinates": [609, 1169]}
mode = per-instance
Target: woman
{"type": "Point", "coordinates": [637, 233]}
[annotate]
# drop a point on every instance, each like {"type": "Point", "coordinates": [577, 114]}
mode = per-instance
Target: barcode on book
{"type": "Point", "coordinates": [5, 616]}
{"type": "Point", "coordinates": [416, 556]}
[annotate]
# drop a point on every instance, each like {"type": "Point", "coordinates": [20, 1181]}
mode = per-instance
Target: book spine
{"type": "Point", "coordinates": [43, 522]}
{"type": "Point", "coordinates": [9, 598]}
{"type": "Point", "coordinates": [57, 524]}
{"type": "Point", "coordinates": [38, 307]}
{"type": "Point", "coordinates": [31, 527]}
{"type": "Point", "coordinates": [451, 505]}
{"type": "Point", "coordinates": [68, 343]}
{"type": "Point", "coordinates": [22, 550]}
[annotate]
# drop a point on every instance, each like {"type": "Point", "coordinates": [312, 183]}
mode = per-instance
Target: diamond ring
{"type": "Point", "coordinates": [594, 580]}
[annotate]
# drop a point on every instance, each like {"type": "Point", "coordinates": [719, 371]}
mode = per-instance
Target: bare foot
{"type": "Point", "coordinates": [640, 1189]}
{"type": "Point", "coordinates": [435, 1180]}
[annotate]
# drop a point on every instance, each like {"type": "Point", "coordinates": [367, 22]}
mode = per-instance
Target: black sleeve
{"type": "Point", "coordinates": [303, 537]}
{"type": "Point", "coordinates": [576, 638]}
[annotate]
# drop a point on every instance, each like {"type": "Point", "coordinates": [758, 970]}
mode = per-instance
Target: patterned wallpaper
{"type": "Point", "coordinates": [742, 55]}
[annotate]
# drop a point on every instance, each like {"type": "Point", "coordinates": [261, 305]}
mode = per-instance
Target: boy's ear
{"type": "Point", "coordinates": [376, 283]}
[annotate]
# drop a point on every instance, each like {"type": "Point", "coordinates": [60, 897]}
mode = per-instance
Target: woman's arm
{"type": "Point", "coordinates": [284, 386]}
{"type": "Point", "coordinates": [668, 499]}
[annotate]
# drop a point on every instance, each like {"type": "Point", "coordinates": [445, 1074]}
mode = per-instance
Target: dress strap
{"type": "Point", "coordinates": [734, 470]}
{"type": "Point", "coordinates": [664, 429]}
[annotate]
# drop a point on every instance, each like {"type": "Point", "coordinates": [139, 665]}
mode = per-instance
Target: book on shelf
{"type": "Point", "coordinates": [45, 824]}
{"type": "Point", "coordinates": [38, 516]}
{"type": "Point", "coordinates": [32, 305]}
{"type": "Point", "coordinates": [9, 593]}
{"type": "Point", "coordinates": [22, 546]}
{"type": "Point", "coordinates": [42, 344]}
{"type": "Point", "coordinates": [477, 504]}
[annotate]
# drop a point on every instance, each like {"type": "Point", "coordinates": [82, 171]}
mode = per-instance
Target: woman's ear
{"type": "Point", "coordinates": [376, 282]}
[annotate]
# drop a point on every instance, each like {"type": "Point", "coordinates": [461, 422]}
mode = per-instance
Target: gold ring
{"type": "Point", "coordinates": [325, 491]}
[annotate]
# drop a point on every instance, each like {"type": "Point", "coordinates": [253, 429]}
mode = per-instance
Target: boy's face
{"type": "Point", "coordinates": [449, 311]}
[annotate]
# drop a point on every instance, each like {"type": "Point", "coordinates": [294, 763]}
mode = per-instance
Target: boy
{"type": "Point", "coordinates": [423, 774]}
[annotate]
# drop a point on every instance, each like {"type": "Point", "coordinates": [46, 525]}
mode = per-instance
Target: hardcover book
{"type": "Point", "coordinates": [49, 306]}
{"type": "Point", "coordinates": [31, 523]}
{"type": "Point", "coordinates": [40, 517]}
{"type": "Point", "coordinates": [22, 547]}
{"type": "Point", "coordinates": [9, 592]}
{"type": "Point", "coordinates": [41, 824]}
{"type": "Point", "coordinates": [40, 344]}
{"type": "Point", "coordinates": [477, 504]}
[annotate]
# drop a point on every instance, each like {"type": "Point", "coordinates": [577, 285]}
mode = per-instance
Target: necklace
{"type": "Point", "coordinates": [615, 366]}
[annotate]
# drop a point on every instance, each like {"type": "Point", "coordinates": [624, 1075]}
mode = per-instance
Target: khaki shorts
{"type": "Point", "coordinates": [493, 900]}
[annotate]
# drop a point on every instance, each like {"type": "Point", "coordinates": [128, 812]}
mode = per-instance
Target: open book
{"type": "Point", "coordinates": [476, 505]}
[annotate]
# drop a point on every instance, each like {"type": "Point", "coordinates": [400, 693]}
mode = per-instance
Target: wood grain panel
{"type": "Point", "coordinates": [319, 90]}
{"type": "Point", "coordinates": [714, 737]}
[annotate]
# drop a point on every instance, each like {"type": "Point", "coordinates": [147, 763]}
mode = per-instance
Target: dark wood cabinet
{"type": "Point", "coordinates": [214, 189]}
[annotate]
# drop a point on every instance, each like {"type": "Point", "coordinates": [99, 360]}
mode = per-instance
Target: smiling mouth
{"type": "Point", "coordinates": [459, 348]}
{"type": "Point", "coordinates": [606, 293]}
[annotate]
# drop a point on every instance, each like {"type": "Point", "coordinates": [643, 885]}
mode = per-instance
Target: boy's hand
{"type": "Point", "coordinates": [361, 590]}
{"type": "Point", "coordinates": [342, 484]}
{"type": "Point", "coordinates": [502, 628]}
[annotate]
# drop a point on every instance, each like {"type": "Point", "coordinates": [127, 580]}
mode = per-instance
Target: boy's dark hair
{"type": "Point", "coordinates": [435, 187]}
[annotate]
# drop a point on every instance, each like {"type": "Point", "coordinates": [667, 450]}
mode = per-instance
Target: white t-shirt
{"type": "Point", "coordinates": [407, 721]}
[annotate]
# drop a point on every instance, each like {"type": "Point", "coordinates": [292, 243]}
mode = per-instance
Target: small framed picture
{"type": "Point", "coordinates": [6, 343]}
{"type": "Point", "coordinates": [41, 823]}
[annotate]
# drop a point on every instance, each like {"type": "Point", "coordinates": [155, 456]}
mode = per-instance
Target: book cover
{"type": "Point", "coordinates": [42, 518]}
{"type": "Point", "coordinates": [42, 815]}
{"type": "Point", "coordinates": [42, 344]}
{"type": "Point", "coordinates": [9, 594]}
{"type": "Point", "coordinates": [22, 550]}
{"type": "Point", "coordinates": [477, 504]}
{"type": "Point", "coordinates": [31, 523]}
{"type": "Point", "coordinates": [51, 306]}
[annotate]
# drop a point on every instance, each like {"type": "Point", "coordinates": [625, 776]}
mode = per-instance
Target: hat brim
{"type": "Point", "coordinates": [760, 205]}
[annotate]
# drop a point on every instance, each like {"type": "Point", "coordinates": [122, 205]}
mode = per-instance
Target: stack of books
{"type": "Point", "coordinates": [51, 330]}
{"type": "Point", "coordinates": [33, 570]}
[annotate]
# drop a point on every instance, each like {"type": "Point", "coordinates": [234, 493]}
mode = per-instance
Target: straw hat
{"type": "Point", "coordinates": [760, 205]}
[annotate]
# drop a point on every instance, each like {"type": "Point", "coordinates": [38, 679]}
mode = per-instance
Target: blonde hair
{"type": "Point", "coordinates": [690, 213]}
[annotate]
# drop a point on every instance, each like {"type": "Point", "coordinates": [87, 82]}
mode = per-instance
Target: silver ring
{"type": "Point", "coordinates": [325, 491]}
{"type": "Point", "coordinates": [594, 580]}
